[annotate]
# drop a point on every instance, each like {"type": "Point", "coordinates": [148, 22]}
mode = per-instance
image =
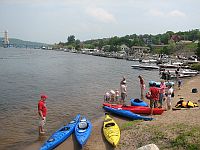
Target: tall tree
{"type": "Point", "coordinates": [71, 39]}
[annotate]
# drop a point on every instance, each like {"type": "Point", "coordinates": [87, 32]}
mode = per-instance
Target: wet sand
{"type": "Point", "coordinates": [98, 142]}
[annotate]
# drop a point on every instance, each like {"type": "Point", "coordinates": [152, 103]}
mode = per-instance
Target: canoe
{"type": "Point", "coordinates": [83, 130]}
{"type": "Point", "coordinates": [60, 135]}
{"type": "Point", "coordinates": [158, 83]}
{"type": "Point", "coordinates": [126, 113]}
{"type": "Point", "coordinates": [138, 102]}
{"type": "Point", "coordinates": [111, 130]}
{"type": "Point", "coordinates": [137, 109]}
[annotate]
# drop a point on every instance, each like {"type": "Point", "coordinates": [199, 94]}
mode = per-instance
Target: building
{"type": "Point", "coordinates": [137, 50]}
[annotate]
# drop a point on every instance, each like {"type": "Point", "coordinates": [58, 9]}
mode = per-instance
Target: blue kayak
{"type": "Point", "coordinates": [126, 113]}
{"type": "Point", "coordinates": [83, 130]}
{"type": "Point", "coordinates": [60, 135]}
{"type": "Point", "coordinates": [158, 83]}
{"type": "Point", "coordinates": [138, 102]}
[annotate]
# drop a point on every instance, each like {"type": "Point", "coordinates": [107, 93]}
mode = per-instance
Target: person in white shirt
{"type": "Point", "coordinates": [123, 89]}
{"type": "Point", "coordinates": [169, 96]}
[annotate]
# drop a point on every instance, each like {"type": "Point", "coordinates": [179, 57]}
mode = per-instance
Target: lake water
{"type": "Point", "coordinates": [74, 83]}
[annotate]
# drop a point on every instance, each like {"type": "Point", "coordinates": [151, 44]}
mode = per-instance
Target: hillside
{"type": "Point", "coordinates": [20, 43]}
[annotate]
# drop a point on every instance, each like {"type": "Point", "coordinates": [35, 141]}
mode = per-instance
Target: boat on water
{"type": "Point", "coordinates": [149, 67]}
{"type": "Point", "coordinates": [182, 72]}
{"type": "Point", "coordinates": [168, 66]}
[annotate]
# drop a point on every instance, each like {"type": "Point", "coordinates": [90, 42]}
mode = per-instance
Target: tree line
{"type": "Point", "coordinates": [169, 41]}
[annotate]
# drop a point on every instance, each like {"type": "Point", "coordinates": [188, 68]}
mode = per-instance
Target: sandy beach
{"type": "Point", "coordinates": [135, 134]}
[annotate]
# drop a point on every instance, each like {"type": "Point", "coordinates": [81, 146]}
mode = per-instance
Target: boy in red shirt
{"type": "Point", "coordinates": [42, 111]}
{"type": "Point", "coordinates": [154, 97]}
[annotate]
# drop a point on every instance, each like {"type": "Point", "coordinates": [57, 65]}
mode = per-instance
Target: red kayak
{"type": "Point", "coordinates": [137, 109]}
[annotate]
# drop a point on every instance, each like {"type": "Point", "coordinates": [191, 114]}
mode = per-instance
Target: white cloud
{"type": "Point", "coordinates": [176, 13]}
{"type": "Point", "coordinates": [101, 14]}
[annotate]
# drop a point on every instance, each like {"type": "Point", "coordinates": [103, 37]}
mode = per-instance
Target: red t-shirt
{"type": "Point", "coordinates": [154, 93]}
{"type": "Point", "coordinates": [42, 107]}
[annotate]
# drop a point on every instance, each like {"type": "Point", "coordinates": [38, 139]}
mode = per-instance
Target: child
{"type": "Point", "coordinates": [116, 95]}
{"type": "Point", "coordinates": [107, 97]}
{"type": "Point", "coordinates": [112, 96]}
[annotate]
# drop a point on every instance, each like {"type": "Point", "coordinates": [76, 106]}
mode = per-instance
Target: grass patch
{"type": "Point", "coordinates": [188, 139]}
{"type": "Point", "coordinates": [129, 124]}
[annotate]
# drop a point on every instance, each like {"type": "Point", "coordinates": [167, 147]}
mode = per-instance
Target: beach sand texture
{"type": "Point", "coordinates": [140, 132]}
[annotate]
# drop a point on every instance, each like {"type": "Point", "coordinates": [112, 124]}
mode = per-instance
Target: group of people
{"type": "Point", "coordinates": [114, 96]}
{"type": "Point", "coordinates": [158, 95]}
{"type": "Point", "coordinates": [155, 94]}
{"type": "Point", "coordinates": [165, 75]}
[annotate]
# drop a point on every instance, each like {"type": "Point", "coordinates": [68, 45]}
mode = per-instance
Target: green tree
{"type": "Point", "coordinates": [71, 39]}
{"type": "Point", "coordinates": [198, 50]}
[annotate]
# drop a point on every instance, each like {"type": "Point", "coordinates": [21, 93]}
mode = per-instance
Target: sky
{"type": "Point", "coordinates": [52, 21]}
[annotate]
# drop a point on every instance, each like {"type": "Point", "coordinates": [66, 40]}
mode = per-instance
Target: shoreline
{"type": "Point", "coordinates": [98, 142]}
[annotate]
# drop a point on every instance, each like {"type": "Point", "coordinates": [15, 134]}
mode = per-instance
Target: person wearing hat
{"type": "Point", "coordinates": [42, 111]}
{"type": "Point", "coordinates": [154, 97]}
{"type": "Point", "coordinates": [123, 89]}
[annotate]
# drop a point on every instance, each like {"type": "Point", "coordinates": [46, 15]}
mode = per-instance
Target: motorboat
{"type": "Point", "coordinates": [144, 67]}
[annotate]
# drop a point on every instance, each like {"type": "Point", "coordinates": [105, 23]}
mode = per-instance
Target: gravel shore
{"type": "Point", "coordinates": [162, 131]}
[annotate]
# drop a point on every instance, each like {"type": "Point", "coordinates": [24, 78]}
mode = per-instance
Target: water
{"type": "Point", "coordinates": [75, 83]}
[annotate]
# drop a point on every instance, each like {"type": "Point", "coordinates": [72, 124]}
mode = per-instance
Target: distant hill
{"type": "Point", "coordinates": [20, 43]}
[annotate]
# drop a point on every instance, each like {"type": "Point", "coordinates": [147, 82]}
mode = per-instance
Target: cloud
{"type": "Point", "coordinates": [173, 13]}
{"type": "Point", "coordinates": [176, 13]}
{"type": "Point", "coordinates": [101, 15]}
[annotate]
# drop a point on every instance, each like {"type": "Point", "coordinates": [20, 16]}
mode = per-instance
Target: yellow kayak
{"type": "Point", "coordinates": [111, 130]}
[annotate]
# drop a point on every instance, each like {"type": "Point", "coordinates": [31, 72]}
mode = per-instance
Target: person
{"type": "Point", "coordinates": [169, 96]}
{"type": "Point", "coordinates": [116, 95]}
{"type": "Point", "coordinates": [107, 97]}
{"type": "Point", "coordinates": [142, 86]}
{"type": "Point", "coordinates": [179, 84]}
{"type": "Point", "coordinates": [161, 92]}
{"type": "Point", "coordinates": [163, 76]}
{"type": "Point", "coordinates": [154, 97]}
{"type": "Point", "coordinates": [177, 74]}
{"type": "Point", "coordinates": [123, 89]}
{"type": "Point", "coordinates": [42, 111]}
{"type": "Point", "coordinates": [123, 80]}
{"type": "Point", "coordinates": [112, 96]}
{"type": "Point", "coordinates": [168, 76]}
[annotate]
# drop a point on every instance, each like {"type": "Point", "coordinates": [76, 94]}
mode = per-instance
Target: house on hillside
{"type": "Point", "coordinates": [137, 50]}
{"type": "Point", "coordinates": [125, 48]}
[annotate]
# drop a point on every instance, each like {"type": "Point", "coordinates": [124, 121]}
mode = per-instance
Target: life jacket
{"type": "Point", "coordinates": [183, 104]}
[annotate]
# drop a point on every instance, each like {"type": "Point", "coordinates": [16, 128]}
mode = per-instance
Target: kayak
{"type": "Point", "coordinates": [83, 130]}
{"type": "Point", "coordinates": [126, 113]}
{"type": "Point", "coordinates": [158, 83]}
{"type": "Point", "coordinates": [60, 135]}
{"type": "Point", "coordinates": [111, 130]}
{"type": "Point", "coordinates": [137, 109]}
{"type": "Point", "coordinates": [138, 102]}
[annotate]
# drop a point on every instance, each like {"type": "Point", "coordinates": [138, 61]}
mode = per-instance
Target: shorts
{"type": "Point", "coordinates": [123, 96]}
{"type": "Point", "coordinates": [42, 122]}
{"type": "Point", "coordinates": [153, 103]}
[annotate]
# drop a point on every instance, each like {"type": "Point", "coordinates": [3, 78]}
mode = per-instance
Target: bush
{"type": "Point", "coordinates": [196, 66]}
